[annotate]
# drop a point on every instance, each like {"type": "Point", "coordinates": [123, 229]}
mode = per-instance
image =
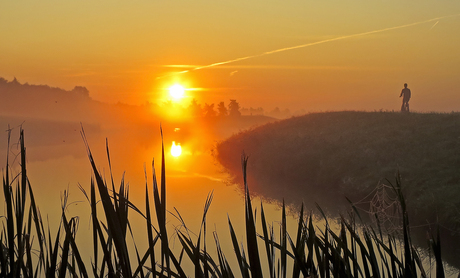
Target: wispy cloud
{"type": "Point", "coordinates": [182, 66]}
{"type": "Point", "coordinates": [310, 44]}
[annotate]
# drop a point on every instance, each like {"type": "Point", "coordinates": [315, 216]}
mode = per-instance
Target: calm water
{"type": "Point", "coordinates": [61, 166]}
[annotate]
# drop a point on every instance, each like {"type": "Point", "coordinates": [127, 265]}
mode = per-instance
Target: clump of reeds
{"type": "Point", "coordinates": [28, 250]}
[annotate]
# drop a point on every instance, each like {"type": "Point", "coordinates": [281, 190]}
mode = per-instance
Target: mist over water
{"type": "Point", "coordinates": [57, 162]}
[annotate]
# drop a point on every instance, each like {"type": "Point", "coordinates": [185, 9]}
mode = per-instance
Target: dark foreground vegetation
{"type": "Point", "coordinates": [325, 157]}
{"type": "Point", "coordinates": [30, 249]}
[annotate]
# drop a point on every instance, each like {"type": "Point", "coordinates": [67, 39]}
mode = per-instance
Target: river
{"type": "Point", "coordinates": [58, 167]}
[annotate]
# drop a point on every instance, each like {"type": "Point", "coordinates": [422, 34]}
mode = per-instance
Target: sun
{"type": "Point", "coordinates": [177, 91]}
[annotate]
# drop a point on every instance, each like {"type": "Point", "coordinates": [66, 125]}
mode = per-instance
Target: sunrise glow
{"type": "Point", "coordinates": [176, 150]}
{"type": "Point", "coordinates": [177, 92]}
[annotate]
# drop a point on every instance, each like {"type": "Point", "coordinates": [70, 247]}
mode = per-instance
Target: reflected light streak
{"type": "Point", "coordinates": [311, 44]}
{"type": "Point", "coordinates": [176, 150]}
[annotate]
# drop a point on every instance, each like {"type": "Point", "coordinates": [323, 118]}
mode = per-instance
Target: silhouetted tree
{"type": "Point", "coordinates": [209, 110]}
{"type": "Point", "coordinates": [195, 109]}
{"type": "Point", "coordinates": [252, 111]}
{"type": "Point", "coordinates": [15, 81]}
{"type": "Point", "coordinates": [81, 91]}
{"type": "Point", "coordinates": [234, 108]}
{"type": "Point", "coordinates": [221, 109]}
{"type": "Point", "coordinates": [277, 113]}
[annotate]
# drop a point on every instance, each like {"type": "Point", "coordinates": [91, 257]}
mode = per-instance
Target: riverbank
{"type": "Point", "coordinates": [324, 157]}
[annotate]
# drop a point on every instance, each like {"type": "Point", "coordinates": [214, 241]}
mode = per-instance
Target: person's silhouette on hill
{"type": "Point", "coordinates": [405, 93]}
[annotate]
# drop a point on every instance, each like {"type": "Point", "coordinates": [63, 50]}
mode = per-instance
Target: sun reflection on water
{"type": "Point", "coordinates": [176, 150]}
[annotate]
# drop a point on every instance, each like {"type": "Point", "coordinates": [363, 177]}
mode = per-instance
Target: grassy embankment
{"type": "Point", "coordinates": [323, 157]}
{"type": "Point", "coordinates": [29, 249]}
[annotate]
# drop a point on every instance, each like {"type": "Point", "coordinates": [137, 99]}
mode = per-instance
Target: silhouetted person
{"type": "Point", "coordinates": [405, 93]}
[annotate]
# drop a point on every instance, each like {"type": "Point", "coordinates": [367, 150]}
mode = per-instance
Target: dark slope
{"type": "Point", "coordinates": [324, 157]}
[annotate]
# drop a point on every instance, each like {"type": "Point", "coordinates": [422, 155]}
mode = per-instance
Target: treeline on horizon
{"type": "Point", "coordinates": [233, 109]}
{"type": "Point", "coordinates": [53, 99]}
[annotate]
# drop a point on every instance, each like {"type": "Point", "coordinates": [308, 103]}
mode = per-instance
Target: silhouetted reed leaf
{"type": "Point", "coordinates": [418, 261]}
{"type": "Point", "coordinates": [151, 249]}
{"type": "Point", "coordinates": [299, 259]}
{"type": "Point", "coordinates": [240, 259]}
{"type": "Point", "coordinates": [283, 238]}
{"type": "Point", "coordinates": [268, 246]}
{"type": "Point", "coordinates": [436, 248]}
{"type": "Point", "coordinates": [71, 238]}
{"type": "Point", "coordinates": [176, 264]}
{"type": "Point", "coordinates": [251, 236]}
{"type": "Point", "coordinates": [161, 207]}
{"type": "Point", "coordinates": [113, 220]}
{"type": "Point", "coordinates": [225, 267]}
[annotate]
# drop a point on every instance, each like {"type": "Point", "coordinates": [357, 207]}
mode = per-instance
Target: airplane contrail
{"type": "Point", "coordinates": [312, 44]}
{"type": "Point", "coordinates": [434, 24]}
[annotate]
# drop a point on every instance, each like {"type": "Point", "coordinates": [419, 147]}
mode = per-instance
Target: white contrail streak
{"type": "Point", "coordinates": [313, 43]}
{"type": "Point", "coordinates": [434, 24]}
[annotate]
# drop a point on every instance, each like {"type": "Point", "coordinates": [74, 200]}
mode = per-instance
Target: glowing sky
{"type": "Point", "coordinates": [118, 49]}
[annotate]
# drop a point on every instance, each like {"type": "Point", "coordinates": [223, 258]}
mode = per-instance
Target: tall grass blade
{"type": "Point", "coordinates": [419, 262]}
{"type": "Point", "coordinates": [225, 267]}
{"type": "Point", "coordinates": [38, 226]}
{"type": "Point", "coordinates": [3, 256]}
{"type": "Point", "coordinates": [283, 238]}
{"type": "Point", "coordinates": [241, 261]}
{"type": "Point", "coordinates": [20, 205]}
{"type": "Point", "coordinates": [322, 248]}
{"type": "Point", "coordinates": [161, 220]}
{"type": "Point", "coordinates": [115, 201]}
{"type": "Point", "coordinates": [28, 268]}
{"type": "Point", "coordinates": [268, 246]}
{"type": "Point", "coordinates": [372, 257]}
{"type": "Point", "coordinates": [299, 262]}
{"type": "Point", "coordinates": [64, 257]}
{"type": "Point", "coordinates": [313, 248]}
{"type": "Point", "coordinates": [436, 247]}
{"type": "Point", "coordinates": [94, 220]}
{"type": "Point", "coordinates": [107, 258]}
{"type": "Point", "coordinates": [164, 241]}
{"type": "Point", "coordinates": [300, 243]}
{"type": "Point", "coordinates": [176, 263]}
{"type": "Point", "coordinates": [53, 254]}
{"type": "Point", "coordinates": [71, 238]}
{"type": "Point", "coordinates": [409, 264]}
{"type": "Point", "coordinates": [151, 249]}
{"type": "Point", "coordinates": [111, 216]}
{"type": "Point", "coordinates": [251, 236]}
{"type": "Point", "coordinates": [9, 214]}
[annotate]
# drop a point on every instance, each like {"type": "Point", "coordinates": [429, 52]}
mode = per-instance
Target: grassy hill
{"type": "Point", "coordinates": [323, 157]}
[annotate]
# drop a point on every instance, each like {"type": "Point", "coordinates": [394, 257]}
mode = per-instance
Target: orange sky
{"type": "Point", "coordinates": [117, 49]}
